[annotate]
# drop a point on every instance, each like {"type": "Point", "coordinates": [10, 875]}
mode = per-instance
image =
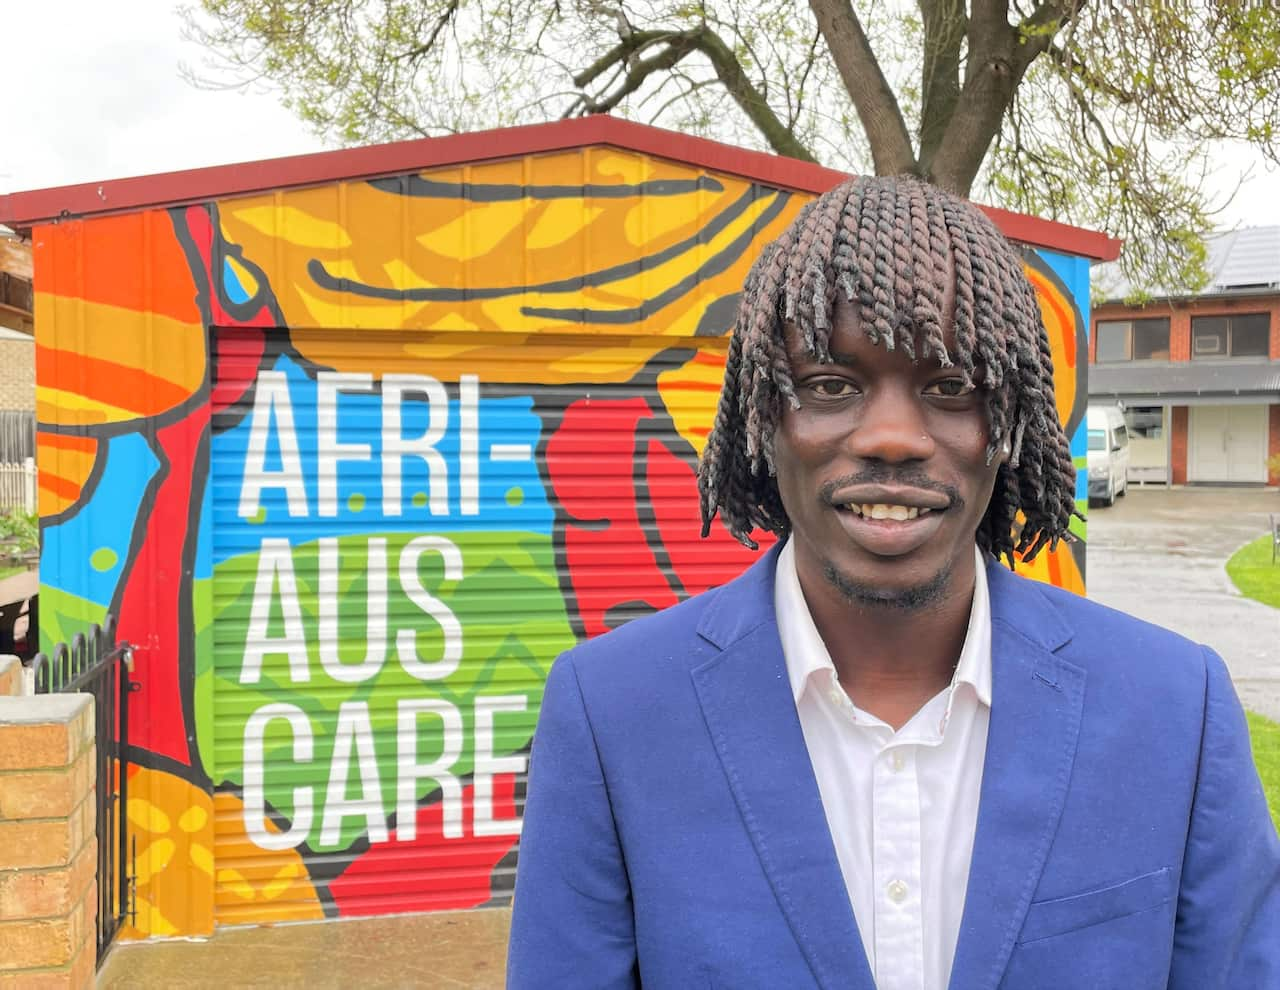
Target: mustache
{"type": "Point", "coordinates": [884, 474]}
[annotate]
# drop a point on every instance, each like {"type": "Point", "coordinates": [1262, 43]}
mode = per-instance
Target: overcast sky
{"type": "Point", "coordinates": [94, 94]}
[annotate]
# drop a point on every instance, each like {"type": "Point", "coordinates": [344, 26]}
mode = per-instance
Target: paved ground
{"type": "Point", "coordinates": [1160, 555]}
{"type": "Point", "coordinates": [1156, 554]}
{"type": "Point", "coordinates": [446, 950]}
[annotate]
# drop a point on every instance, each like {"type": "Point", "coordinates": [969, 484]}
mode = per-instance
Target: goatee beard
{"type": "Point", "coordinates": [903, 599]}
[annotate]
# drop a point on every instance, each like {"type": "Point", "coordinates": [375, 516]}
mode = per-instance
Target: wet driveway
{"type": "Point", "coordinates": [1160, 555]}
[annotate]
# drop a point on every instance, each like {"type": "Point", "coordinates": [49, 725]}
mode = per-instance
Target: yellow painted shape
{"type": "Point", "coordinates": [64, 408]}
{"type": "Point", "coordinates": [302, 227]}
{"type": "Point", "coordinates": [146, 816]}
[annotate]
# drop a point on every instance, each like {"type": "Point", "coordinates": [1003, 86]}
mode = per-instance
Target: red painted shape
{"type": "Point", "coordinates": [151, 605]}
{"type": "Point", "coordinates": [628, 544]}
{"type": "Point", "coordinates": [429, 872]}
{"type": "Point", "coordinates": [590, 464]}
{"type": "Point", "coordinates": [239, 355]}
{"type": "Point", "coordinates": [26, 209]}
{"type": "Point", "coordinates": [238, 352]}
{"type": "Point", "coordinates": [673, 493]}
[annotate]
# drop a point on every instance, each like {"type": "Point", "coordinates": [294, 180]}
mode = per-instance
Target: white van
{"type": "Point", "coordinates": [1108, 454]}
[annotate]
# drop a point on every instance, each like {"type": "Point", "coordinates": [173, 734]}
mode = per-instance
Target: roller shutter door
{"type": "Point", "coordinates": [401, 547]}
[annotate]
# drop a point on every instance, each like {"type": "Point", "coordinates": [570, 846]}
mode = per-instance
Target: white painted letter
{"type": "Point", "coordinates": [255, 802]}
{"type": "Point", "coordinates": [329, 385]}
{"type": "Point", "coordinates": [409, 771]}
{"type": "Point", "coordinates": [272, 396]}
{"type": "Point", "coordinates": [353, 728]}
{"type": "Point", "coordinates": [486, 764]}
{"type": "Point", "coordinates": [330, 560]}
{"type": "Point", "coordinates": [469, 444]}
{"type": "Point", "coordinates": [407, 639]}
{"type": "Point", "coordinates": [275, 559]}
{"type": "Point", "coordinates": [395, 446]}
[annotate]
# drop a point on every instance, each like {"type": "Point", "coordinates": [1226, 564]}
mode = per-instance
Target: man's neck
{"type": "Point", "coordinates": [891, 660]}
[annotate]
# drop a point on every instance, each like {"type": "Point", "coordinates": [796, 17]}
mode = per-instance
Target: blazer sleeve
{"type": "Point", "coordinates": [572, 923]}
{"type": "Point", "coordinates": [1227, 935]}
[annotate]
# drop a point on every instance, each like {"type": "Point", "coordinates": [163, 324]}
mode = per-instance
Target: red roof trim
{"type": "Point", "coordinates": [26, 209]}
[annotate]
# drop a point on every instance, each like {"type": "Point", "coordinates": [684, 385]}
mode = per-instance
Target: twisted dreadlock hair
{"type": "Point", "coordinates": [888, 245]}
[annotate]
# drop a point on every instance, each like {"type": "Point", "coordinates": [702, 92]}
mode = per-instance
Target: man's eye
{"type": "Point", "coordinates": [831, 388]}
{"type": "Point", "coordinates": [950, 387]}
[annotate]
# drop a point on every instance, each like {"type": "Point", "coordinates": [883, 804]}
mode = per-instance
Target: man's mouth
{"type": "Point", "coordinates": [884, 510]}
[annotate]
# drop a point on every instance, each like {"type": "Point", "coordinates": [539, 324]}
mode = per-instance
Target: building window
{"type": "Point", "coordinates": [1145, 422]}
{"type": "Point", "coordinates": [1133, 340]}
{"type": "Point", "coordinates": [1230, 336]}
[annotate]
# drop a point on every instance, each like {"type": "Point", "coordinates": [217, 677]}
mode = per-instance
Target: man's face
{"type": "Point", "coordinates": [882, 470]}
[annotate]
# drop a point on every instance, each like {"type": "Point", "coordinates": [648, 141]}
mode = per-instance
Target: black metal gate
{"type": "Point", "coordinates": [100, 666]}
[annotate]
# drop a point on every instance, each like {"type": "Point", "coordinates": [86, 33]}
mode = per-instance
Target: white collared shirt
{"type": "Point", "coordinates": [902, 806]}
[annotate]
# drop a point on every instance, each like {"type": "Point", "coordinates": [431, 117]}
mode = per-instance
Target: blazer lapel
{"type": "Point", "coordinates": [746, 699]}
{"type": "Point", "coordinates": [1036, 704]}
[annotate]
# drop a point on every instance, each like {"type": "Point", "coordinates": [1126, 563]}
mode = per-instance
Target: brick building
{"type": "Point", "coordinates": [17, 348]}
{"type": "Point", "coordinates": [1198, 376]}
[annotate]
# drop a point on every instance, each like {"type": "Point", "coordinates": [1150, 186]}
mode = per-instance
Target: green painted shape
{"type": "Point", "coordinates": [259, 517]}
{"type": "Point", "coordinates": [514, 623]}
{"type": "Point", "coordinates": [103, 559]}
{"type": "Point", "coordinates": [1079, 526]}
{"type": "Point", "coordinates": [63, 614]}
{"type": "Point", "coordinates": [355, 501]}
{"type": "Point", "coordinates": [515, 497]}
{"type": "Point", "coordinates": [419, 500]}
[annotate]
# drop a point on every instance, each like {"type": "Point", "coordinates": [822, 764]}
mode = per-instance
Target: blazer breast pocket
{"type": "Point", "coordinates": [1093, 907]}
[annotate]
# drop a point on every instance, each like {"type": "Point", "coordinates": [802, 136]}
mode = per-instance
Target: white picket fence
{"type": "Point", "coordinates": [18, 486]}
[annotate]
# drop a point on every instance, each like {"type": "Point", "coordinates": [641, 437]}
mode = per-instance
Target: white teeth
{"type": "Point", "coordinates": [883, 510]}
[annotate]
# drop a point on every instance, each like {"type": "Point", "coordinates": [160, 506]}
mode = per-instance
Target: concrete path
{"type": "Point", "coordinates": [1161, 555]}
{"type": "Point", "coordinates": [449, 949]}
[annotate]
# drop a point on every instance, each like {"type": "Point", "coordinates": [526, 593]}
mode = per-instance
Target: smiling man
{"type": "Point", "coordinates": [879, 759]}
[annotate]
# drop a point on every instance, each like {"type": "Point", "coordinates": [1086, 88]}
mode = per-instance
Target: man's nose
{"type": "Point", "coordinates": [892, 427]}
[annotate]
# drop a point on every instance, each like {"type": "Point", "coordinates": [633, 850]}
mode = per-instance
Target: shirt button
{"type": "Point", "coordinates": [897, 891]}
{"type": "Point", "coordinates": [836, 695]}
{"type": "Point", "coordinates": [897, 761]}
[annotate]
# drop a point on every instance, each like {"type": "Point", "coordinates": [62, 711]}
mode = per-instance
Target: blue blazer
{"type": "Point", "coordinates": [674, 835]}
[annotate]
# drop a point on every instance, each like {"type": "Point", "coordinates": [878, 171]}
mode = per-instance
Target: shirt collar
{"type": "Point", "coordinates": [805, 653]}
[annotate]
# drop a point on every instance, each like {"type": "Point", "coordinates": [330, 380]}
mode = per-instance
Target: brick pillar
{"type": "Point", "coordinates": [1178, 469]}
{"type": "Point", "coordinates": [48, 849]}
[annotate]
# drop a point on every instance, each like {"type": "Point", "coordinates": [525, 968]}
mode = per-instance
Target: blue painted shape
{"type": "Point", "coordinates": [231, 284]}
{"type": "Point", "coordinates": [1073, 270]}
{"type": "Point", "coordinates": [504, 425]}
{"type": "Point", "coordinates": [105, 523]}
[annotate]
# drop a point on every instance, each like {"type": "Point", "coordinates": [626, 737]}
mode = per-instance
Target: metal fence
{"type": "Point", "coordinates": [100, 666]}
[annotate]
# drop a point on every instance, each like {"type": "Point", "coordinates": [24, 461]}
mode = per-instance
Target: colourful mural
{"type": "Point", "coordinates": [353, 464]}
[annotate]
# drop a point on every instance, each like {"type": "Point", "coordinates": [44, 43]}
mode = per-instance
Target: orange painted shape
{"type": "Point", "coordinates": [171, 821]}
{"type": "Point", "coordinates": [132, 261]}
{"type": "Point", "coordinates": [264, 885]}
{"type": "Point", "coordinates": [1060, 324]}
{"type": "Point", "coordinates": [65, 463]}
